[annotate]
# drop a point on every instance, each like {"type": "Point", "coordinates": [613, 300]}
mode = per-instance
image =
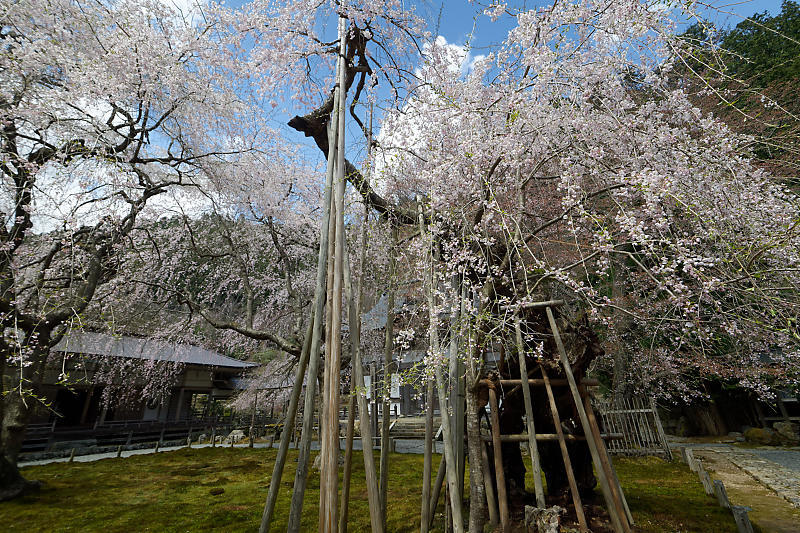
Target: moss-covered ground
{"type": "Point", "coordinates": [223, 489]}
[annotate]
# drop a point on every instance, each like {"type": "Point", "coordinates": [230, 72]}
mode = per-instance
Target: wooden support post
{"type": "Point", "coordinates": [288, 431]}
{"type": "Point", "coordinates": [72, 455]}
{"type": "Point", "coordinates": [616, 517]}
{"type": "Point", "coordinates": [742, 520]}
{"type": "Point", "coordinates": [573, 486]}
{"type": "Point", "coordinates": [365, 420]}
{"type": "Point", "coordinates": [327, 235]}
{"type": "Point", "coordinates": [427, 513]}
{"type": "Point", "coordinates": [119, 451]}
{"type": "Point", "coordinates": [722, 494]}
{"type": "Point", "coordinates": [616, 490]}
{"type": "Point", "coordinates": [348, 458]}
{"type": "Point", "coordinates": [388, 350]}
{"type": "Point", "coordinates": [158, 443]}
{"type": "Point", "coordinates": [491, 502]}
{"type": "Point", "coordinates": [536, 468]}
{"type": "Point", "coordinates": [437, 490]}
{"type": "Point", "coordinates": [253, 418]}
{"type": "Point", "coordinates": [441, 389]}
{"type": "Point", "coordinates": [502, 497]}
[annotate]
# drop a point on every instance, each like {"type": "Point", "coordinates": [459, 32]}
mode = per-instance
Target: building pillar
{"type": "Point", "coordinates": [86, 404]}
{"type": "Point", "coordinates": [179, 407]}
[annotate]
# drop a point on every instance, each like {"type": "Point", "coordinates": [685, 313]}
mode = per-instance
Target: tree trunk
{"type": "Point", "coordinates": [15, 418]}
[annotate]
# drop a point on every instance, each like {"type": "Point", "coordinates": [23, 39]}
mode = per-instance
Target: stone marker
{"type": "Point", "coordinates": [690, 460]}
{"type": "Point", "coordinates": [742, 520]}
{"type": "Point", "coordinates": [705, 479]}
{"type": "Point", "coordinates": [722, 494]}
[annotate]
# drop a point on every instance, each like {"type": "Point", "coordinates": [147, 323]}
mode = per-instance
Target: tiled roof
{"type": "Point", "coordinates": [87, 342]}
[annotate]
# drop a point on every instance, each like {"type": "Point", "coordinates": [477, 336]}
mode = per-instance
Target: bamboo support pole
{"type": "Point", "coordinates": [387, 374]}
{"type": "Point", "coordinates": [573, 486]}
{"type": "Point", "coordinates": [491, 502]}
{"type": "Point", "coordinates": [365, 420]}
{"type": "Point", "coordinates": [288, 430]}
{"type": "Point", "coordinates": [605, 463]}
{"type": "Point", "coordinates": [253, 418]}
{"type": "Point", "coordinates": [437, 491]}
{"type": "Point", "coordinates": [526, 393]}
{"type": "Point", "coordinates": [426, 514]}
{"type": "Point", "coordinates": [616, 519]}
{"type": "Point", "coordinates": [449, 452]}
{"type": "Point", "coordinates": [500, 476]}
{"type": "Point", "coordinates": [348, 458]}
{"type": "Point", "coordinates": [326, 231]}
{"type": "Point", "coordinates": [329, 477]}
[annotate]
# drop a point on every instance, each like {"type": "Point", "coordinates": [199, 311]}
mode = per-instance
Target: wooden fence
{"type": "Point", "coordinates": [636, 419]}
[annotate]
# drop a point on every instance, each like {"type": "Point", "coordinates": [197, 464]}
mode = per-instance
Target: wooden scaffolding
{"type": "Point", "coordinates": [616, 504]}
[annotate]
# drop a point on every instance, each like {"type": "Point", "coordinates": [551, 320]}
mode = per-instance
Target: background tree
{"type": "Point", "coordinates": [104, 108]}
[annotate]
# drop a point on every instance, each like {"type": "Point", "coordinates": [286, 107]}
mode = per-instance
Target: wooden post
{"type": "Point", "coordinates": [437, 491]}
{"type": "Point", "coordinates": [288, 431]}
{"type": "Point", "coordinates": [500, 475]}
{"type": "Point", "coordinates": [722, 494]}
{"type": "Point", "coordinates": [441, 389]}
{"type": "Point", "coordinates": [253, 418]}
{"type": "Point", "coordinates": [327, 235]}
{"type": "Point", "coordinates": [427, 514]}
{"type": "Point", "coordinates": [72, 455]}
{"type": "Point", "coordinates": [491, 502]}
{"type": "Point", "coordinates": [329, 440]}
{"type": "Point", "coordinates": [387, 375]}
{"type": "Point", "coordinates": [158, 443]}
{"type": "Point", "coordinates": [573, 486]}
{"type": "Point", "coordinates": [526, 392]}
{"type": "Point", "coordinates": [355, 298]}
{"type": "Point", "coordinates": [616, 489]}
{"type": "Point", "coordinates": [119, 451]}
{"type": "Point", "coordinates": [348, 457]}
{"type": "Point", "coordinates": [616, 517]}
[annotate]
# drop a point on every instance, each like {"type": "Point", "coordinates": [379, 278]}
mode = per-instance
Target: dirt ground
{"type": "Point", "coordinates": [771, 513]}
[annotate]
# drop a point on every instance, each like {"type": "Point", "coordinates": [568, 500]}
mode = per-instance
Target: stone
{"type": "Point", "coordinates": [216, 491]}
{"type": "Point", "coordinates": [761, 436]}
{"type": "Point", "coordinates": [237, 435]}
{"type": "Point", "coordinates": [683, 429]}
{"type": "Point", "coordinates": [546, 520]}
{"type": "Point", "coordinates": [788, 432]}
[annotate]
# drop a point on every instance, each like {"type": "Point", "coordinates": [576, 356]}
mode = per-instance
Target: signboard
{"type": "Point", "coordinates": [395, 390]}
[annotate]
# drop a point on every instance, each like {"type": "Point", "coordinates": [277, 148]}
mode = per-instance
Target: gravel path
{"type": "Point", "coordinates": [777, 469]}
{"type": "Point", "coordinates": [789, 458]}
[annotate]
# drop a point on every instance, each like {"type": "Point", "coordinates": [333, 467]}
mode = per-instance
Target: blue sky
{"type": "Point", "coordinates": [461, 22]}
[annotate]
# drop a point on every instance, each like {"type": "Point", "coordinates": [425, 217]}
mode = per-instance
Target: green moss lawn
{"type": "Point", "coordinates": [176, 492]}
